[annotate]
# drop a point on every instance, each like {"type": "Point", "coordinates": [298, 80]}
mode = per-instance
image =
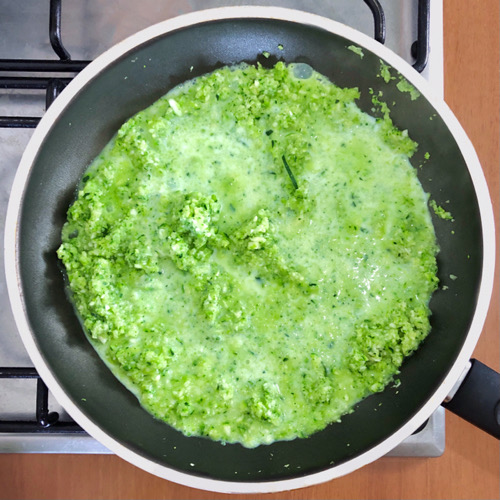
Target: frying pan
{"type": "Point", "coordinates": [130, 77]}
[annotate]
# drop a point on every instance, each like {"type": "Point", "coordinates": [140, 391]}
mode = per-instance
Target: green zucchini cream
{"type": "Point", "coordinates": [252, 255]}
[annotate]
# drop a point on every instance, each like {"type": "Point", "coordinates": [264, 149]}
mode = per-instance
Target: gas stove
{"type": "Point", "coordinates": [42, 46]}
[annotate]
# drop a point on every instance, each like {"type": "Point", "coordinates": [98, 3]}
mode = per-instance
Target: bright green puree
{"type": "Point", "coordinates": [252, 254]}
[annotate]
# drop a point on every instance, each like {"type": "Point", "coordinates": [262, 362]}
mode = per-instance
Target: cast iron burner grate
{"type": "Point", "coordinates": [53, 84]}
{"type": "Point", "coordinates": [45, 421]}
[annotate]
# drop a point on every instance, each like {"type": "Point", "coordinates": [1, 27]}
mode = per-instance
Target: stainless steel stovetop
{"type": "Point", "coordinates": [89, 28]}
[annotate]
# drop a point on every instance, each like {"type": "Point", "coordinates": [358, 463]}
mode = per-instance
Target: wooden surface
{"type": "Point", "coordinates": [470, 465]}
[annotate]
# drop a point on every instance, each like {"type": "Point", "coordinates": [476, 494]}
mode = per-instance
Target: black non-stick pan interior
{"type": "Point", "coordinates": [135, 81]}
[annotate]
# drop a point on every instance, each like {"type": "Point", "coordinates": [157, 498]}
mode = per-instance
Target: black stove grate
{"type": "Point", "coordinates": [46, 421]}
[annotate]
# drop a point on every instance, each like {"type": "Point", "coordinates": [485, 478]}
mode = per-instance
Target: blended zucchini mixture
{"type": "Point", "coordinates": [252, 254]}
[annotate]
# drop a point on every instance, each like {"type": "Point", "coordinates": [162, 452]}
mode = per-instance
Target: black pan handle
{"type": "Point", "coordinates": [477, 400]}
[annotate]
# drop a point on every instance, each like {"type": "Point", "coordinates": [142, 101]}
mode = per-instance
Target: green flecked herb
{"type": "Point", "coordinates": [440, 211]}
{"type": "Point", "coordinates": [405, 86]}
{"type": "Point", "coordinates": [356, 50]}
{"type": "Point", "coordinates": [385, 72]}
{"type": "Point", "coordinates": [289, 172]}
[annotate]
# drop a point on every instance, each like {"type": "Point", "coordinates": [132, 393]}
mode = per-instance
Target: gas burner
{"type": "Point", "coordinates": [31, 420]}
